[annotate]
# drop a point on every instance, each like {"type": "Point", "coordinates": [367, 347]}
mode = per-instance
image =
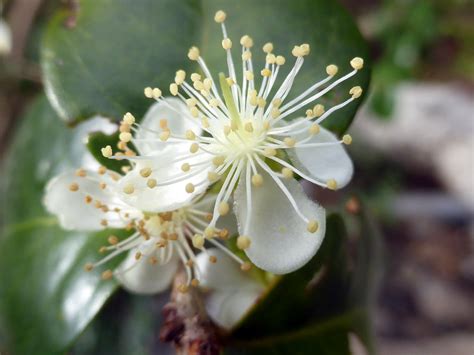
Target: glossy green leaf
{"type": "Point", "coordinates": [325, 25]}
{"type": "Point", "coordinates": [98, 57]}
{"type": "Point", "coordinates": [46, 298]}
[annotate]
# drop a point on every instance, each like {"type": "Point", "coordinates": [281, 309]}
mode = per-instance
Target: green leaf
{"type": "Point", "coordinates": [46, 298]}
{"type": "Point", "coordinates": [98, 57]}
{"type": "Point", "coordinates": [325, 25]}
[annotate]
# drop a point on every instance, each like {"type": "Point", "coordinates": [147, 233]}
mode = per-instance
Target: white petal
{"type": "Point", "coordinates": [280, 242]}
{"type": "Point", "coordinates": [167, 197]}
{"type": "Point", "coordinates": [225, 274]}
{"type": "Point", "coordinates": [70, 207]}
{"type": "Point", "coordinates": [5, 38]}
{"type": "Point", "coordinates": [323, 163]}
{"type": "Point", "coordinates": [226, 308]}
{"type": "Point", "coordinates": [142, 277]}
{"type": "Point", "coordinates": [175, 112]}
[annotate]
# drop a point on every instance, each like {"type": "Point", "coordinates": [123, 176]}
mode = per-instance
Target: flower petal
{"type": "Point", "coordinates": [226, 308]}
{"type": "Point", "coordinates": [174, 111]}
{"type": "Point", "coordinates": [142, 277]}
{"type": "Point", "coordinates": [323, 163]}
{"type": "Point", "coordinates": [70, 206]}
{"type": "Point", "coordinates": [164, 197]}
{"type": "Point", "coordinates": [280, 242]}
{"type": "Point", "coordinates": [225, 274]}
{"type": "Point", "coordinates": [229, 221]}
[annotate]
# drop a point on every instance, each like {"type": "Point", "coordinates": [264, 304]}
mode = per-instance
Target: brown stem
{"type": "Point", "coordinates": [186, 323]}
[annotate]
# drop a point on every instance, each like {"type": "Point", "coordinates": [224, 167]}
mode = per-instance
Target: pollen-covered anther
{"type": "Point", "coordinates": [88, 267]}
{"type": "Point", "coordinates": [332, 184]}
{"type": "Point", "coordinates": [113, 240]}
{"type": "Point", "coordinates": [289, 142]}
{"type": "Point", "coordinates": [246, 55]}
{"type": "Point", "coordinates": [314, 129]}
{"type": "Point", "coordinates": [164, 136]}
{"type": "Point", "coordinates": [174, 89]}
{"type": "Point", "coordinates": [230, 81]}
{"type": "Point", "coordinates": [190, 135]}
{"type": "Point", "coordinates": [277, 102]}
{"type": "Point", "coordinates": [220, 16]}
{"type": "Point", "coordinates": [189, 188]}
{"type": "Point", "coordinates": [164, 123]}
{"type": "Point", "coordinates": [209, 232]}
{"type": "Point", "coordinates": [102, 170]}
{"type": "Point", "coordinates": [246, 266]}
{"type": "Point", "coordinates": [246, 41]}
{"type": "Point", "coordinates": [223, 208]}
{"type": "Point", "coordinates": [102, 185]}
{"type": "Point", "coordinates": [212, 176]}
{"type": "Point", "coordinates": [193, 53]}
{"type": "Point", "coordinates": [125, 137]}
{"type": "Point", "coordinates": [148, 91]}
{"type": "Point", "coordinates": [185, 167]}
{"type": "Point", "coordinates": [180, 77]}
{"type": "Point", "coordinates": [268, 47]}
{"type": "Point", "coordinates": [269, 152]}
{"type": "Point", "coordinates": [301, 51]}
{"type": "Point", "coordinates": [309, 114]}
{"type": "Point", "coordinates": [312, 226]}
{"type": "Point", "coordinates": [275, 112]}
{"type": "Point", "coordinates": [183, 288]}
{"type": "Point", "coordinates": [156, 93]}
{"type": "Point", "coordinates": [287, 173]}
{"type": "Point", "coordinates": [194, 111]}
{"type": "Point", "coordinates": [88, 199]}
{"type": "Point", "coordinates": [257, 180]}
{"type": "Point", "coordinates": [249, 75]}
{"type": "Point", "coordinates": [357, 63]}
{"type": "Point", "coordinates": [219, 160]}
{"type": "Point", "coordinates": [280, 60]}
{"type": "Point", "coordinates": [151, 183]}
{"type": "Point", "coordinates": [331, 69]}
{"type": "Point", "coordinates": [107, 275]}
{"type": "Point", "coordinates": [129, 119]}
{"type": "Point", "coordinates": [227, 129]}
{"type": "Point", "coordinates": [138, 255]}
{"type": "Point", "coordinates": [266, 72]}
{"type": "Point", "coordinates": [107, 151]}
{"type": "Point", "coordinates": [318, 110]}
{"type": "Point", "coordinates": [356, 91]}
{"type": "Point", "coordinates": [124, 127]}
{"type": "Point", "coordinates": [198, 241]}
{"type": "Point", "coordinates": [74, 187]}
{"type": "Point", "coordinates": [213, 259]}
{"type": "Point", "coordinates": [81, 173]}
{"type": "Point", "coordinates": [128, 189]}
{"type": "Point", "coordinates": [347, 139]}
{"type": "Point", "coordinates": [248, 127]}
{"type": "Point", "coordinates": [270, 58]}
{"type": "Point", "coordinates": [243, 242]}
{"type": "Point", "coordinates": [226, 43]}
{"type": "Point", "coordinates": [194, 148]}
{"type": "Point", "coordinates": [145, 172]}
{"type": "Point", "coordinates": [195, 282]}
{"type": "Point", "coordinates": [224, 234]}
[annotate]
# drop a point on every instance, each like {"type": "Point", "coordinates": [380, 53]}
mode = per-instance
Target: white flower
{"type": "Point", "coordinates": [242, 140]}
{"type": "Point", "coordinates": [232, 292]}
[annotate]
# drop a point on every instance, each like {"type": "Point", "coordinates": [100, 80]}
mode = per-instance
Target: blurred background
{"type": "Point", "coordinates": [413, 150]}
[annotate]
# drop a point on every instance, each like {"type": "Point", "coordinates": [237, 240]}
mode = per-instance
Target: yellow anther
{"type": "Point", "coordinates": [151, 183]}
{"type": "Point", "coordinates": [305, 49]}
{"type": "Point", "coordinates": [103, 185]}
{"type": "Point", "coordinates": [193, 53]}
{"type": "Point", "coordinates": [189, 188]}
{"type": "Point", "coordinates": [125, 137]}
{"type": "Point", "coordinates": [194, 148]}
{"type": "Point", "coordinates": [357, 63]}
{"type": "Point", "coordinates": [246, 266]}
{"type": "Point", "coordinates": [275, 112]}
{"type": "Point", "coordinates": [248, 127]}
{"type": "Point", "coordinates": [205, 122]}
{"type": "Point", "coordinates": [220, 16]}
{"type": "Point", "coordinates": [183, 288]}
{"type": "Point", "coordinates": [223, 208]}
{"type": "Point", "coordinates": [218, 161]}
{"type": "Point", "coordinates": [224, 234]}
{"type": "Point", "coordinates": [227, 130]}
{"type": "Point", "coordinates": [356, 91]}
{"type": "Point", "coordinates": [122, 145]}
{"type": "Point", "coordinates": [253, 101]}
{"type": "Point", "coordinates": [331, 69]}
{"type": "Point", "coordinates": [246, 41]}
{"type": "Point", "coordinates": [276, 102]}
{"type": "Point", "coordinates": [190, 135]}
{"type": "Point", "coordinates": [107, 275]}
{"type": "Point", "coordinates": [280, 60]}
{"type": "Point", "coordinates": [145, 172]}
{"type": "Point", "coordinates": [287, 173]}
{"type": "Point", "coordinates": [112, 239]}
{"type": "Point", "coordinates": [318, 110]}
{"type": "Point", "coordinates": [128, 189]}
{"type": "Point", "coordinates": [74, 187]}
{"type": "Point", "coordinates": [257, 180]}
{"type": "Point", "coordinates": [249, 75]}
{"type": "Point", "coordinates": [347, 139]}
{"type": "Point", "coordinates": [270, 58]}
{"type": "Point", "coordinates": [331, 184]}
{"type": "Point", "coordinates": [195, 77]}
{"type": "Point", "coordinates": [312, 226]}
{"type": "Point", "coordinates": [174, 89]}
{"type": "Point", "coordinates": [309, 113]}
{"type": "Point", "coordinates": [234, 126]}
{"type": "Point", "coordinates": [191, 102]}
{"type": "Point", "coordinates": [207, 83]}
{"type": "Point", "coordinates": [266, 125]}
{"type": "Point", "coordinates": [261, 102]}
{"type": "Point", "coordinates": [289, 142]}
{"type": "Point", "coordinates": [148, 91]}
{"type": "Point", "coordinates": [230, 81]}
{"type": "Point", "coordinates": [214, 102]}
{"type": "Point", "coordinates": [179, 77]}
{"type": "Point", "coordinates": [81, 173]}
{"type": "Point", "coordinates": [102, 170]}
{"type": "Point", "coordinates": [268, 47]}
{"type": "Point", "coordinates": [269, 152]}
{"type": "Point", "coordinates": [209, 232]}
{"type": "Point", "coordinates": [138, 255]}
{"type": "Point", "coordinates": [163, 123]}
{"type": "Point", "coordinates": [194, 111]}
{"type": "Point", "coordinates": [128, 118]}
{"type": "Point", "coordinates": [164, 136]}
{"type": "Point", "coordinates": [198, 85]}
{"type": "Point", "coordinates": [212, 176]}
{"type": "Point", "coordinates": [266, 72]}
{"type": "Point", "coordinates": [88, 199]}
{"type": "Point", "coordinates": [314, 129]}
{"type": "Point", "coordinates": [107, 151]}
{"type": "Point", "coordinates": [124, 127]}
{"type": "Point", "coordinates": [185, 167]}
{"type": "Point", "coordinates": [195, 282]}
{"type": "Point", "coordinates": [213, 259]}
{"type": "Point", "coordinates": [88, 267]}
{"type": "Point", "coordinates": [198, 241]}
{"type": "Point", "coordinates": [246, 55]}
{"type": "Point", "coordinates": [226, 43]}
{"type": "Point", "coordinates": [243, 242]}
{"type": "Point", "coordinates": [156, 93]}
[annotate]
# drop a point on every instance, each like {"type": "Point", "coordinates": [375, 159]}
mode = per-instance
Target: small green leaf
{"type": "Point", "coordinates": [98, 57]}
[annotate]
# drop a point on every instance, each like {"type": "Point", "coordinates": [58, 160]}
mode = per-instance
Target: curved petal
{"type": "Point", "coordinates": [175, 112]}
{"type": "Point", "coordinates": [71, 207]}
{"type": "Point", "coordinates": [142, 277]}
{"type": "Point", "coordinates": [323, 163]}
{"type": "Point", "coordinates": [280, 242]}
{"type": "Point", "coordinates": [225, 274]}
{"type": "Point", "coordinates": [165, 196]}
{"type": "Point", "coordinates": [226, 308]}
